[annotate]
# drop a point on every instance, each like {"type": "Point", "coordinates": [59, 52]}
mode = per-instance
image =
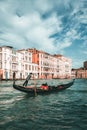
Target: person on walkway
{"type": "Point", "coordinates": [14, 75]}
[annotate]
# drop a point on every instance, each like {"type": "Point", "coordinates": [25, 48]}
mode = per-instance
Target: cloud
{"type": "Point", "coordinates": [51, 26]}
{"type": "Point", "coordinates": [39, 33]}
{"type": "Point", "coordinates": [31, 30]}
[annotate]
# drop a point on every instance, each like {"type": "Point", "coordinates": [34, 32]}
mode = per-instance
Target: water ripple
{"type": "Point", "coordinates": [64, 110]}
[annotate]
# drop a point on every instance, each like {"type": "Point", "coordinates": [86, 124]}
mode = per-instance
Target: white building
{"type": "Point", "coordinates": [19, 62]}
{"type": "Point", "coordinates": [64, 66]}
{"type": "Point", "coordinates": [8, 62]}
{"type": "Point", "coordinates": [26, 64]}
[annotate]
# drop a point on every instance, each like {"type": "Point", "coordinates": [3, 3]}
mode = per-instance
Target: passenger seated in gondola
{"type": "Point", "coordinates": [44, 87]}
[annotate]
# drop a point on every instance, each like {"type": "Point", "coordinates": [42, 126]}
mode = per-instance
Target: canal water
{"type": "Point", "coordinates": [65, 110]}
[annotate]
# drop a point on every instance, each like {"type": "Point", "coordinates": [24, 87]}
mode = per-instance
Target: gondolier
{"type": "Point", "coordinates": [27, 79]}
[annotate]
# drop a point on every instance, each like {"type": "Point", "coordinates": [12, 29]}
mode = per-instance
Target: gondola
{"type": "Point", "coordinates": [43, 89]}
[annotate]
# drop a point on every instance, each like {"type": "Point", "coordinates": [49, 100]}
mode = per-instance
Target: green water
{"type": "Point", "coordinates": [66, 110]}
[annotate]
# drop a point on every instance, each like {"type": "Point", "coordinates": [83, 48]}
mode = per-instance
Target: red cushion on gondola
{"type": "Point", "coordinates": [44, 87]}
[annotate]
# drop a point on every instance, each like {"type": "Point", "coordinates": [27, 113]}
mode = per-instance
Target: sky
{"type": "Point", "coordinates": [54, 26]}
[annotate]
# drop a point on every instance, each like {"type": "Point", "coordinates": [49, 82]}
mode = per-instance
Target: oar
{"type": "Point", "coordinates": [35, 92]}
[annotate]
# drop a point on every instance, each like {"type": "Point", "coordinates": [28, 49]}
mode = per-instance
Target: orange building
{"type": "Point", "coordinates": [35, 55]}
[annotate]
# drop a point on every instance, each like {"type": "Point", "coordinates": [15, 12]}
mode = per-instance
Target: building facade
{"type": "Point", "coordinates": [85, 65]}
{"type": "Point", "coordinates": [19, 62]}
{"type": "Point", "coordinates": [8, 62]}
{"type": "Point", "coordinates": [79, 73]}
{"type": "Point", "coordinates": [27, 64]}
{"type": "Point", "coordinates": [64, 66]}
{"type": "Point", "coordinates": [43, 65]}
{"type": "Point", "coordinates": [51, 66]}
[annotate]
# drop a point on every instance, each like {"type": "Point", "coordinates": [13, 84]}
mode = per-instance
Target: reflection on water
{"type": "Point", "coordinates": [63, 110]}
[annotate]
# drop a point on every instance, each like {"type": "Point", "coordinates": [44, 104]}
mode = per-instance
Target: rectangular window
{"type": "Point", "coordinates": [29, 67]}
{"type": "Point", "coordinates": [29, 58]}
{"type": "Point", "coordinates": [26, 58]}
{"type": "Point", "coordinates": [0, 57]}
{"type": "Point", "coordinates": [0, 65]}
{"type": "Point", "coordinates": [32, 67]}
{"type": "Point", "coordinates": [0, 49]}
{"type": "Point", "coordinates": [4, 56]}
{"type": "Point", "coordinates": [25, 66]}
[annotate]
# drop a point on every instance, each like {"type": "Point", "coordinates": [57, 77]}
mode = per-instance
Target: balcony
{"type": "Point", "coordinates": [14, 62]}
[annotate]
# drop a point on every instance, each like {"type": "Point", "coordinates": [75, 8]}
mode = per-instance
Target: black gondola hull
{"type": "Point", "coordinates": [38, 90]}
